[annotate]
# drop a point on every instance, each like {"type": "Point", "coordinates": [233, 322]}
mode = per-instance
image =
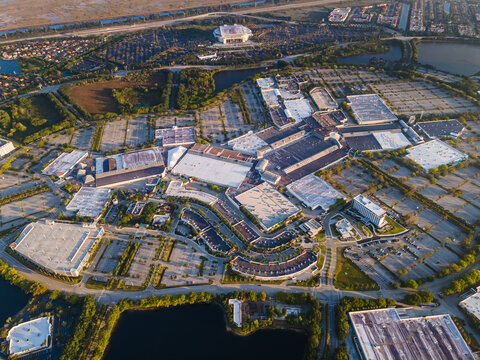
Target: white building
{"type": "Point", "coordinates": [237, 311]}
{"type": "Point", "coordinates": [472, 304]}
{"type": "Point", "coordinates": [374, 213]}
{"type": "Point", "coordinates": [345, 229]}
{"type": "Point", "coordinates": [30, 336]}
{"type": "Point", "coordinates": [6, 147]}
{"type": "Point", "coordinates": [232, 34]}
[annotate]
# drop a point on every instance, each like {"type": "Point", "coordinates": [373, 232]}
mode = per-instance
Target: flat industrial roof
{"type": "Point", "coordinates": [130, 160]}
{"type": "Point", "coordinates": [434, 153]}
{"type": "Point", "coordinates": [383, 335]}
{"type": "Point", "coordinates": [391, 140]}
{"type": "Point", "coordinates": [298, 109]}
{"type": "Point", "coordinates": [64, 163]}
{"type": "Point", "coordinates": [267, 204]}
{"type": "Point", "coordinates": [370, 205]}
{"type": "Point", "coordinates": [247, 144]}
{"type": "Point", "coordinates": [58, 247]}
{"type": "Point", "coordinates": [176, 136]}
{"type": "Point", "coordinates": [89, 201]}
{"type": "Point", "coordinates": [314, 192]}
{"type": "Point", "coordinates": [212, 169]}
{"type": "Point", "coordinates": [434, 129]}
{"type": "Point", "coordinates": [472, 304]}
{"type": "Point", "coordinates": [370, 108]}
{"type": "Point", "coordinates": [29, 336]}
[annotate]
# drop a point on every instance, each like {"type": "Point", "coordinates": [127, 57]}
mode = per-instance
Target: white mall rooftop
{"type": "Point", "coordinates": [314, 192]}
{"type": "Point", "coordinates": [213, 170]}
{"type": "Point", "coordinates": [62, 248]}
{"type": "Point", "coordinates": [434, 153]}
{"type": "Point", "coordinates": [29, 336]}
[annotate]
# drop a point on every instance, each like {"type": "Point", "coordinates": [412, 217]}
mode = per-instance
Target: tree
{"type": "Point", "coordinates": [4, 119]}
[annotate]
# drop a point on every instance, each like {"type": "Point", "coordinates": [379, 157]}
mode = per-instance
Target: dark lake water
{"type": "Point", "coordinates": [12, 300]}
{"type": "Point", "coordinates": [452, 57]}
{"type": "Point", "coordinates": [9, 67]}
{"type": "Point", "coordinates": [225, 79]}
{"type": "Point", "coordinates": [394, 54]}
{"type": "Point", "coordinates": [196, 332]}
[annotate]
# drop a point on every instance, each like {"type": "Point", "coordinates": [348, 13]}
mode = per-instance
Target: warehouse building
{"type": "Point", "coordinates": [232, 34]}
{"type": "Point", "coordinates": [374, 213]}
{"type": "Point", "coordinates": [383, 335]}
{"type": "Point", "coordinates": [446, 128]}
{"type": "Point", "coordinates": [64, 163]}
{"type": "Point", "coordinates": [60, 248]}
{"type": "Point", "coordinates": [370, 109]}
{"type": "Point", "coordinates": [6, 147]}
{"type": "Point", "coordinates": [129, 167]}
{"type": "Point", "coordinates": [89, 201]}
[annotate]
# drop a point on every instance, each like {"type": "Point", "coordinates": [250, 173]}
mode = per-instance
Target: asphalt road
{"type": "Point", "coordinates": [115, 29]}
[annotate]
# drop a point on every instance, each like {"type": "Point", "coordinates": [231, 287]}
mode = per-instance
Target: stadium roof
{"type": "Point", "coordinates": [383, 335]}
{"type": "Point", "coordinates": [314, 192]}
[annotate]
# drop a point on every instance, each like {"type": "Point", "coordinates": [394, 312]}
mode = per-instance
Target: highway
{"type": "Point", "coordinates": [117, 29]}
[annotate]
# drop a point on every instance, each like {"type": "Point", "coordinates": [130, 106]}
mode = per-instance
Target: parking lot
{"type": "Point", "coordinates": [184, 267]}
{"type": "Point", "coordinates": [34, 205]}
{"type": "Point", "coordinates": [82, 138]}
{"type": "Point", "coordinates": [175, 120]}
{"type": "Point", "coordinates": [138, 132]}
{"type": "Point", "coordinates": [419, 96]}
{"type": "Point", "coordinates": [111, 255]}
{"type": "Point", "coordinates": [113, 135]}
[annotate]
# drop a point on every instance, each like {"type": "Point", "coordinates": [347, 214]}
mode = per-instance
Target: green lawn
{"type": "Point", "coordinates": [396, 227]}
{"type": "Point", "coordinates": [348, 276]}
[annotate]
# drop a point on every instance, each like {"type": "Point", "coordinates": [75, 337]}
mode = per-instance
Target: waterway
{"type": "Point", "coordinates": [394, 54]}
{"type": "Point", "coordinates": [456, 58]}
{"type": "Point", "coordinates": [197, 332]}
{"type": "Point", "coordinates": [13, 300]}
{"type": "Point", "coordinates": [9, 67]}
{"type": "Point", "coordinates": [225, 79]}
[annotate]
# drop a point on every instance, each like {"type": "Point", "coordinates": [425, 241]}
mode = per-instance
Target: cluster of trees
{"type": "Point", "coordinates": [97, 136]}
{"type": "Point", "coordinates": [11, 275]}
{"type": "Point", "coordinates": [196, 89]}
{"type": "Point", "coordinates": [348, 304]}
{"type": "Point", "coordinates": [28, 119]}
{"type": "Point", "coordinates": [466, 260]}
{"type": "Point", "coordinates": [237, 97]}
{"type": "Point", "coordinates": [463, 283]}
{"type": "Point", "coordinates": [144, 99]}
{"type": "Point", "coordinates": [420, 297]}
{"type": "Point", "coordinates": [77, 346]}
{"type": "Point", "coordinates": [23, 194]}
{"type": "Point", "coordinates": [126, 260]}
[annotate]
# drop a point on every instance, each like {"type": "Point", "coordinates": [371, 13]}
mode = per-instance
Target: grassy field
{"type": "Point", "coordinates": [349, 277]}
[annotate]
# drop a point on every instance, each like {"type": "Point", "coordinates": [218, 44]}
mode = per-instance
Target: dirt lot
{"type": "Point", "coordinates": [97, 98]}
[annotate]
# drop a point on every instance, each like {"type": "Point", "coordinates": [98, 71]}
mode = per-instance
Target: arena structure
{"type": "Point", "coordinates": [232, 34]}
